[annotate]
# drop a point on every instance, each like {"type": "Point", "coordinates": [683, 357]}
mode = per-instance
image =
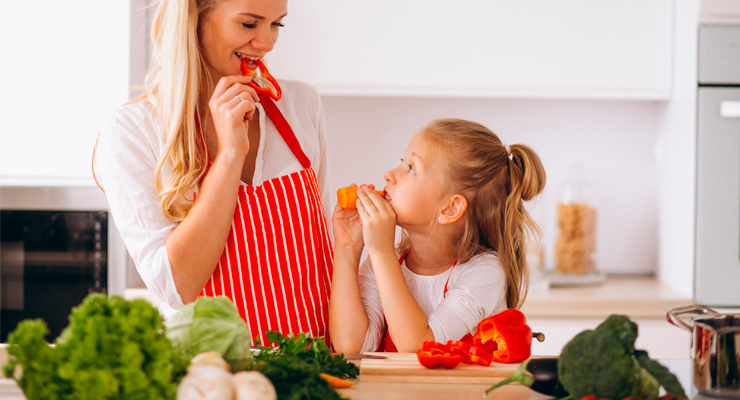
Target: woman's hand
{"type": "Point", "coordinates": [232, 105]}
{"type": "Point", "coordinates": [378, 220]}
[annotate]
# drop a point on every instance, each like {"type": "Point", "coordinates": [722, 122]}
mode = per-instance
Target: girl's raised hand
{"type": "Point", "coordinates": [378, 220]}
{"type": "Point", "coordinates": [232, 105]}
{"type": "Point", "coordinates": [347, 228]}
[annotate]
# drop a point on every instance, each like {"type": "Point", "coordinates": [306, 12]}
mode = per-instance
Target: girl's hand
{"type": "Point", "coordinates": [347, 227]}
{"type": "Point", "coordinates": [378, 220]}
{"type": "Point", "coordinates": [232, 105]}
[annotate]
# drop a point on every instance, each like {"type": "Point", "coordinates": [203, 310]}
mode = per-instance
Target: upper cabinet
{"type": "Point", "coordinates": [602, 49]}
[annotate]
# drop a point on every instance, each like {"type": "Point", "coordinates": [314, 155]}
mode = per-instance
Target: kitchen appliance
{"type": "Point", "coordinates": [715, 349]}
{"type": "Point", "coordinates": [717, 263]}
{"type": "Point", "coordinates": [57, 245]}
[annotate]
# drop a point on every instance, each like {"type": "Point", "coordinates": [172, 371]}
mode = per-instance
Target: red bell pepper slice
{"type": "Point", "coordinates": [433, 355]}
{"type": "Point", "coordinates": [277, 94]}
{"type": "Point", "coordinates": [471, 354]}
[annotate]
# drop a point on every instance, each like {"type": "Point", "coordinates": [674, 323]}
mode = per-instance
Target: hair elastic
{"type": "Point", "coordinates": [508, 152]}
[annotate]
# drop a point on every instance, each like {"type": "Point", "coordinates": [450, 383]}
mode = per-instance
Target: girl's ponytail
{"type": "Point", "coordinates": [527, 179]}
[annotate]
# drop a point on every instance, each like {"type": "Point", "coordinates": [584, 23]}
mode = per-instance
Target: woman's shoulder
{"type": "Point", "coordinates": [136, 118]}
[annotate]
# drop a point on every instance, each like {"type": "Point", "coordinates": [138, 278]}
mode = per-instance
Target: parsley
{"type": "Point", "coordinates": [313, 351]}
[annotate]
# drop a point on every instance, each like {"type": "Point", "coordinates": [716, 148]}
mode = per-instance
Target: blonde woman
{"type": "Point", "coordinates": [217, 190]}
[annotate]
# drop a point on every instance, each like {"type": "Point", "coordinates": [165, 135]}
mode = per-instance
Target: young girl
{"type": "Point", "coordinates": [458, 195]}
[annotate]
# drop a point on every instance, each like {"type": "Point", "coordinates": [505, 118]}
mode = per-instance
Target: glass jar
{"type": "Point", "coordinates": [576, 242]}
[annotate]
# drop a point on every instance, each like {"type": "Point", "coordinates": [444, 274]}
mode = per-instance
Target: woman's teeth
{"type": "Point", "coordinates": [243, 56]}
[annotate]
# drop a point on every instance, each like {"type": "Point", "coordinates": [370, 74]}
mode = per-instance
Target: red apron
{"type": "Point", "coordinates": [277, 263]}
{"type": "Point", "coordinates": [386, 344]}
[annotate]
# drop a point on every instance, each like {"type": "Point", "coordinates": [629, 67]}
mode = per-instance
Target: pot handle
{"type": "Point", "coordinates": [674, 313]}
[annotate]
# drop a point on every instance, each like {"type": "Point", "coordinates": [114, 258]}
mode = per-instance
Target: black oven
{"type": "Point", "coordinates": [57, 245]}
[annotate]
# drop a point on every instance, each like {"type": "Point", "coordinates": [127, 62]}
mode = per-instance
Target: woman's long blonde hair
{"type": "Point", "coordinates": [178, 88]}
{"type": "Point", "coordinates": [495, 182]}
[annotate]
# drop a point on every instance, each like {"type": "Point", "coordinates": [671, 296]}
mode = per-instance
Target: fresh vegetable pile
{"type": "Point", "coordinates": [602, 364]}
{"type": "Point", "coordinates": [119, 349]}
{"type": "Point", "coordinates": [112, 349]}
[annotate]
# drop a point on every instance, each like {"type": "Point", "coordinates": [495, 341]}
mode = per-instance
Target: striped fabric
{"type": "Point", "coordinates": [276, 266]}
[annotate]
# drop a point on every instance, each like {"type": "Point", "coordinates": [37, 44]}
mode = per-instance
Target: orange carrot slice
{"type": "Point", "coordinates": [335, 382]}
{"type": "Point", "coordinates": [347, 197]}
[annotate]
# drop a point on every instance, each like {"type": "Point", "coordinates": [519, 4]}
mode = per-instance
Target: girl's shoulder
{"type": "Point", "coordinates": [483, 264]}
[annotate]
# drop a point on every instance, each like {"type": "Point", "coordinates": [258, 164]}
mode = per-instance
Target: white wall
{"type": "Point", "coordinates": [65, 67]}
{"type": "Point", "coordinates": [612, 139]}
{"type": "Point", "coordinates": [676, 150]}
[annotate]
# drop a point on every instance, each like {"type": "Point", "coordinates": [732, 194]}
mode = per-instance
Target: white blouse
{"type": "Point", "coordinates": [126, 157]}
{"type": "Point", "coordinates": [476, 290]}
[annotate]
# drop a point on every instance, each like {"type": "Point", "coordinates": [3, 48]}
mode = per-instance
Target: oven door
{"type": "Point", "coordinates": [717, 280]}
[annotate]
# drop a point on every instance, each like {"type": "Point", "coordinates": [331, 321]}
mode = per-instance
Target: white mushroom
{"type": "Point", "coordinates": [211, 358]}
{"type": "Point", "coordinates": [206, 382]}
{"type": "Point", "coordinates": [252, 385]}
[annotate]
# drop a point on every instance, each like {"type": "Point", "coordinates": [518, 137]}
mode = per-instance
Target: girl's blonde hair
{"type": "Point", "coordinates": [178, 87]}
{"type": "Point", "coordinates": [495, 182]}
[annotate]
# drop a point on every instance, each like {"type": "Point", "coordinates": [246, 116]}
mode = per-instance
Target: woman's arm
{"type": "Point", "coordinates": [196, 245]}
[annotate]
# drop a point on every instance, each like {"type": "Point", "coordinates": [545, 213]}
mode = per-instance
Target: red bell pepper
{"type": "Point", "coordinates": [507, 336]}
{"type": "Point", "coordinates": [277, 94]}
{"type": "Point", "coordinates": [433, 355]}
{"type": "Point", "coordinates": [471, 354]}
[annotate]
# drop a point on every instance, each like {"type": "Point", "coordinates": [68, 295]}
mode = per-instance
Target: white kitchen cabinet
{"type": "Point", "coordinates": [480, 48]}
{"type": "Point", "coordinates": [656, 336]}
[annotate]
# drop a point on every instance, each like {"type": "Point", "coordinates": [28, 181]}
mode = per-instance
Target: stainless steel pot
{"type": "Point", "coordinates": [715, 349]}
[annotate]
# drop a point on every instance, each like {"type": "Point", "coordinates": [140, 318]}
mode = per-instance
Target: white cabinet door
{"type": "Point", "coordinates": [64, 72]}
{"type": "Point", "coordinates": [491, 48]}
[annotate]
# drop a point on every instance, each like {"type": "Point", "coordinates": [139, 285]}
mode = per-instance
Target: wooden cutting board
{"type": "Point", "coordinates": [405, 367]}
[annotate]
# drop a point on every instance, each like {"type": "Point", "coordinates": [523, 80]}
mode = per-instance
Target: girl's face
{"type": "Point", "coordinates": [237, 29]}
{"type": "Point", "coordinates": [415, 188]}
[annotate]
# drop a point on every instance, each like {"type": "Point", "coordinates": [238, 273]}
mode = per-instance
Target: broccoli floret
{"type": "Point", "coordinates": [602, 363]}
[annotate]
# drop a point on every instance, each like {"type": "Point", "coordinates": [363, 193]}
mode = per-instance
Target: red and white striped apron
{"type": "Point", "coordinates": [277, 263]}
{"type": "Point", "coordinates": [386, 343]}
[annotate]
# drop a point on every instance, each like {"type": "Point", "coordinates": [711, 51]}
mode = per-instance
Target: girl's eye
{"type": "Point", "coordinates": [250, 26]}
{"type": "Point", "coordinates": [409, 168]}
{"type": "Point", "coordinates": [278, 24]}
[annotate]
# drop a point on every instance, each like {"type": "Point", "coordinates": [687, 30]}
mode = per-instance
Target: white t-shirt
{"type": "Point", "coordinates": [126, 158]}
{"type": "Point", "coordinates": [476, 290]}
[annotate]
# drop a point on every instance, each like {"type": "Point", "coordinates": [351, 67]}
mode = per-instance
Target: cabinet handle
{"type": "Point", "coordinates": [729, 109]}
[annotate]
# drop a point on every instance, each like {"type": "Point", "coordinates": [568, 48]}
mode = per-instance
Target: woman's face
{"type": "Point", "coordinates": [415, 187]}
{"type": "Point", "coordinates": [236, 29]}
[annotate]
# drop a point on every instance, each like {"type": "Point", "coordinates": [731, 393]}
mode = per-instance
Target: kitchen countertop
{"type": "Point", "coordinates": [639, 296]}
{"type": "Point", "coordinates": [431, 391]}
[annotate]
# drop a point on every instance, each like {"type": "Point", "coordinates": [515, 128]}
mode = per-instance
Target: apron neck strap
{"type": "Point", "coordinates": [284, 128]}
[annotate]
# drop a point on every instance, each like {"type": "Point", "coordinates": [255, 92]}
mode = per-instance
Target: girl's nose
{"type": "Point", "coordinates": [389, 177]}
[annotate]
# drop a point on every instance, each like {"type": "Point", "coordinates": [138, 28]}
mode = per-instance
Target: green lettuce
{"type": "Point", "coordinates": [211, 324]}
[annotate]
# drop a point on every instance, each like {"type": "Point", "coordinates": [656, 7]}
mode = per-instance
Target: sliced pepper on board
{"type": "Point", "coordinates": [433, 355]}
{"type": "Point", "coordinates": [507, 336]}
{"type": "Point", "coordinates": [471, 354]}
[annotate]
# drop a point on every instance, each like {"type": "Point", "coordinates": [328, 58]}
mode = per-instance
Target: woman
{"type": "Point", "coordinates": [214, 188]}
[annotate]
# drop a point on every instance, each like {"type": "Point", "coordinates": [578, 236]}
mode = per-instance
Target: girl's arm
{"type": "Point", "coordinates": [348, 321]}
{"type": "Point", "coordinates": [407, 322]}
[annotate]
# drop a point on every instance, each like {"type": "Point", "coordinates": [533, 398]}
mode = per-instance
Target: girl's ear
{"type": "Point", "coordinates": [454, 211]}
